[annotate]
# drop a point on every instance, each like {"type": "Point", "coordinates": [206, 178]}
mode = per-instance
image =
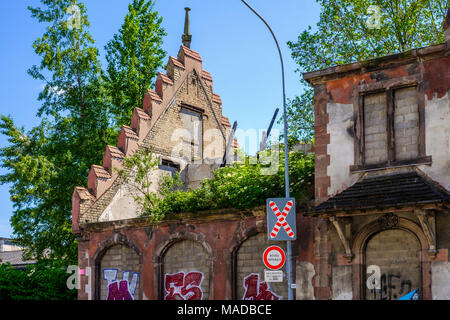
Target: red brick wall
{"type": "Point", "coordinates": [208, 244]}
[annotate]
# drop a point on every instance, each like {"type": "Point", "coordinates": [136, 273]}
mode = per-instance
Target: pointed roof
{"type": "Point", "coordinates": [103, 183]}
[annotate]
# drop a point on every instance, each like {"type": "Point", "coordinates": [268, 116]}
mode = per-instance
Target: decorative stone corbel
{"type": "Point", "coordinates": [344, 239]}
{"type": "Point", "coordinates": [428, 224]}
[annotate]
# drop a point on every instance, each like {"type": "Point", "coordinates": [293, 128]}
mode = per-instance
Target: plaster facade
{"type": "Point", "coordinates": [384, 118]}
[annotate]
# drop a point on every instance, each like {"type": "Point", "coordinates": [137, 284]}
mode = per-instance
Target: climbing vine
{"type": "Point", "coordinates": [239, 186]}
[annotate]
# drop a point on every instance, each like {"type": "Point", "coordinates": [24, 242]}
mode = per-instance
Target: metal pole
{"type": "Point", "coordinates": [229, 144]}
{"type": "Point", "coordinates": [266, 134]}
{"type": "Point", "coordinates": [286, 165]}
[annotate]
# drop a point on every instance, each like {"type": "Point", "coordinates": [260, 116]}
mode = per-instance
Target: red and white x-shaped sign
{"type": "Point", "coordinates": [281, 217]}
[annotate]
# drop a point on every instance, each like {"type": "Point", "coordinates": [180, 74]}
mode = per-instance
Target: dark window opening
{"type": "Point", "coordinates": [168, 165]}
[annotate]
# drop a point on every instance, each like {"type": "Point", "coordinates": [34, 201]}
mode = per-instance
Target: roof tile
{"type": "Point", "coordinates": [387, 190]}
{"type": "Point", "coordinates": [206, 75]}
{"type": "Point", "coordinates": [226, 121]}
{"type": "Point", "coordinates": [129, 132]}
{"type": "Point", "coordinates": [101, 172]}
{"type": "Point", "coordinates": [176, 62]}
{"type": "Point", "coordinates": [191, 53]}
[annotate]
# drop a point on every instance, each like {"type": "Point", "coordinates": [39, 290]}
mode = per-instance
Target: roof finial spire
{"type": "Point", "coordinates": [186, 37]}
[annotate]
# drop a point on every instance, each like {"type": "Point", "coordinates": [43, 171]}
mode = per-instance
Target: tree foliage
{"type": "Point", "coordinates": [240, 186]}
{"type": "Point", "coordinates": [77, 114]}
{"type": "Point", "coordinates": [42, 281]}
{"type": "Point", "coordinates": [350, 31]}
{"type": "Point", "coordinates": [134, 55]}
{"type": "Point", "coordinates": [244, 186]}
{"type": "Point", "coordinates": [45, 163]}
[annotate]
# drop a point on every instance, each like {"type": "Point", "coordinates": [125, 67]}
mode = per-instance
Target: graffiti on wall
{"type": "Point", "coordinates": [257, 290]}
{"type": "Point", "coordinates": [120, 289]}
{"type": "Point", "coordinates": [387, 286]}
{"type": "Point", "coordinates": [184, 286]}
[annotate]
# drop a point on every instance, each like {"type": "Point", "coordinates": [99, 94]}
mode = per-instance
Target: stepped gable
{"type": "Point", "coordinates": [176, 62]}
{"type": "Point", "coordinates": [187, 52]}
{"type": "Point", "coordinates": [206, 76]}
{"type": "Point", "coordinates": [226, 122]}
{"type": "Point", "coordinates": [216, 98]}
{"type": "Point", "coordinates": [235, 143]}
{"type": "Point", "coordinates": [103, 178]}
{"type": "Point", "coordinates": [112, 158]}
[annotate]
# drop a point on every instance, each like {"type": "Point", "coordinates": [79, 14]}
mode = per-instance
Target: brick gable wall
{"type": "Point", "coordinates": [153, 127]}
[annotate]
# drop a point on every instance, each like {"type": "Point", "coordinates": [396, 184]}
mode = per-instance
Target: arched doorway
{"type": "Point", "coordinates": [392, 265]}
{"type": "Point", "coordinates": [186, 272]}
{"type": "Point", "coordinates": [119, 274]}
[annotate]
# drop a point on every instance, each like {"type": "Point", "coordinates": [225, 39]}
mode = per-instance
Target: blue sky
{"type": "Point", "coordinates": [234, 44]}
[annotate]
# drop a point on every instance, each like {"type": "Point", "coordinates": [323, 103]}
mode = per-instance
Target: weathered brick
{"type": "Point", "coordinates": [406, 124]}
{"type": "Point", "coordinates": [185, 256]}
{"type": "Point", "coordinates": [396, 252]}
{"type": "Point", "coordinates": [249, 260]}
{"type": "Point", "coordinates": [122, 258]}
{"type": "Point", "coordinates": [375, 128]}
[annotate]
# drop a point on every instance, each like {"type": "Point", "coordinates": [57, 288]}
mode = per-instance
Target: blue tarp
{"type": "Point", "coordinates": [408, 296]}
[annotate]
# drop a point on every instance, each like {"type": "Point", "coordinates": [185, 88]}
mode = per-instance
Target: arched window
{"type": "Point", "coordinates": [119, 274]}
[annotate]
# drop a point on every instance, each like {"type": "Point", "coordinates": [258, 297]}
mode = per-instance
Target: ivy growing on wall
{"type": "Point", "coordinates": [240, 186]}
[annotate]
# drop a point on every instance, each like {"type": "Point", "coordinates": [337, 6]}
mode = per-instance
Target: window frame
{"type": "Point", "coordinates": [201, 113]}
{"type": "Point", "coordinates": [169, 165]}
{"type": "Point", "coordinates": [388, 87]}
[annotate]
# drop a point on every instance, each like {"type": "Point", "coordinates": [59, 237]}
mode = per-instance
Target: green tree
{"type": "Point", "coordinates": [134, 55]}
{"type": "Point", "coordinates": [77, 112]}
{"type": "Point", "coordinates": [45, 163]}
{"type": "Point", "coordinates": [41, 281]}
{"type": "Point", "coordinates": [352, 30]}
{"type": "Point", "coordinates": [138, 173]}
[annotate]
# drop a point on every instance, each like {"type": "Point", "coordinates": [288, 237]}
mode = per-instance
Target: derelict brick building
{"type": "Point", "coordinates": [380, 225]}
{"type": "Point", "coordinates": [382, 175]}
{"type": "Point", "coordinates": [204, 255]}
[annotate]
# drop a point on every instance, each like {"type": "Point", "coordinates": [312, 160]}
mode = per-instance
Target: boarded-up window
{"type": "Point", "coordinates": [250, 271]}
{"type": "Point", "coordinates": [406, 124]}
{"type": "Point", "coordinates": [375, 128]}
{"type": "Point", "coordinates": [192, 140]}
{"type": "Point", "coordinates": [391, 126]}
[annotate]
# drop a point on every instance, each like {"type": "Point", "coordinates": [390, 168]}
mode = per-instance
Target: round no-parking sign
{"type": "Point", "coordinates": [274, 258]}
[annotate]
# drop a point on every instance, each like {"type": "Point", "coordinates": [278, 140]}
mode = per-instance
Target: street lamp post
{"type": "Point", "coordinates": [286, 165]}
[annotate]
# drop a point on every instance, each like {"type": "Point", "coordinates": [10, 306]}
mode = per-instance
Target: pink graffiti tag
{"type": "Point", "coordinates": [119, 291]}
{"type": "Point", "coordinates": [257, 290]}
{"type": "Point", "coordinates": [181, 286]}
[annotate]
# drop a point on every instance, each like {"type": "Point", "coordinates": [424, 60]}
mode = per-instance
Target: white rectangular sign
{"type": "Point", "coordinates": [273, 275]}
